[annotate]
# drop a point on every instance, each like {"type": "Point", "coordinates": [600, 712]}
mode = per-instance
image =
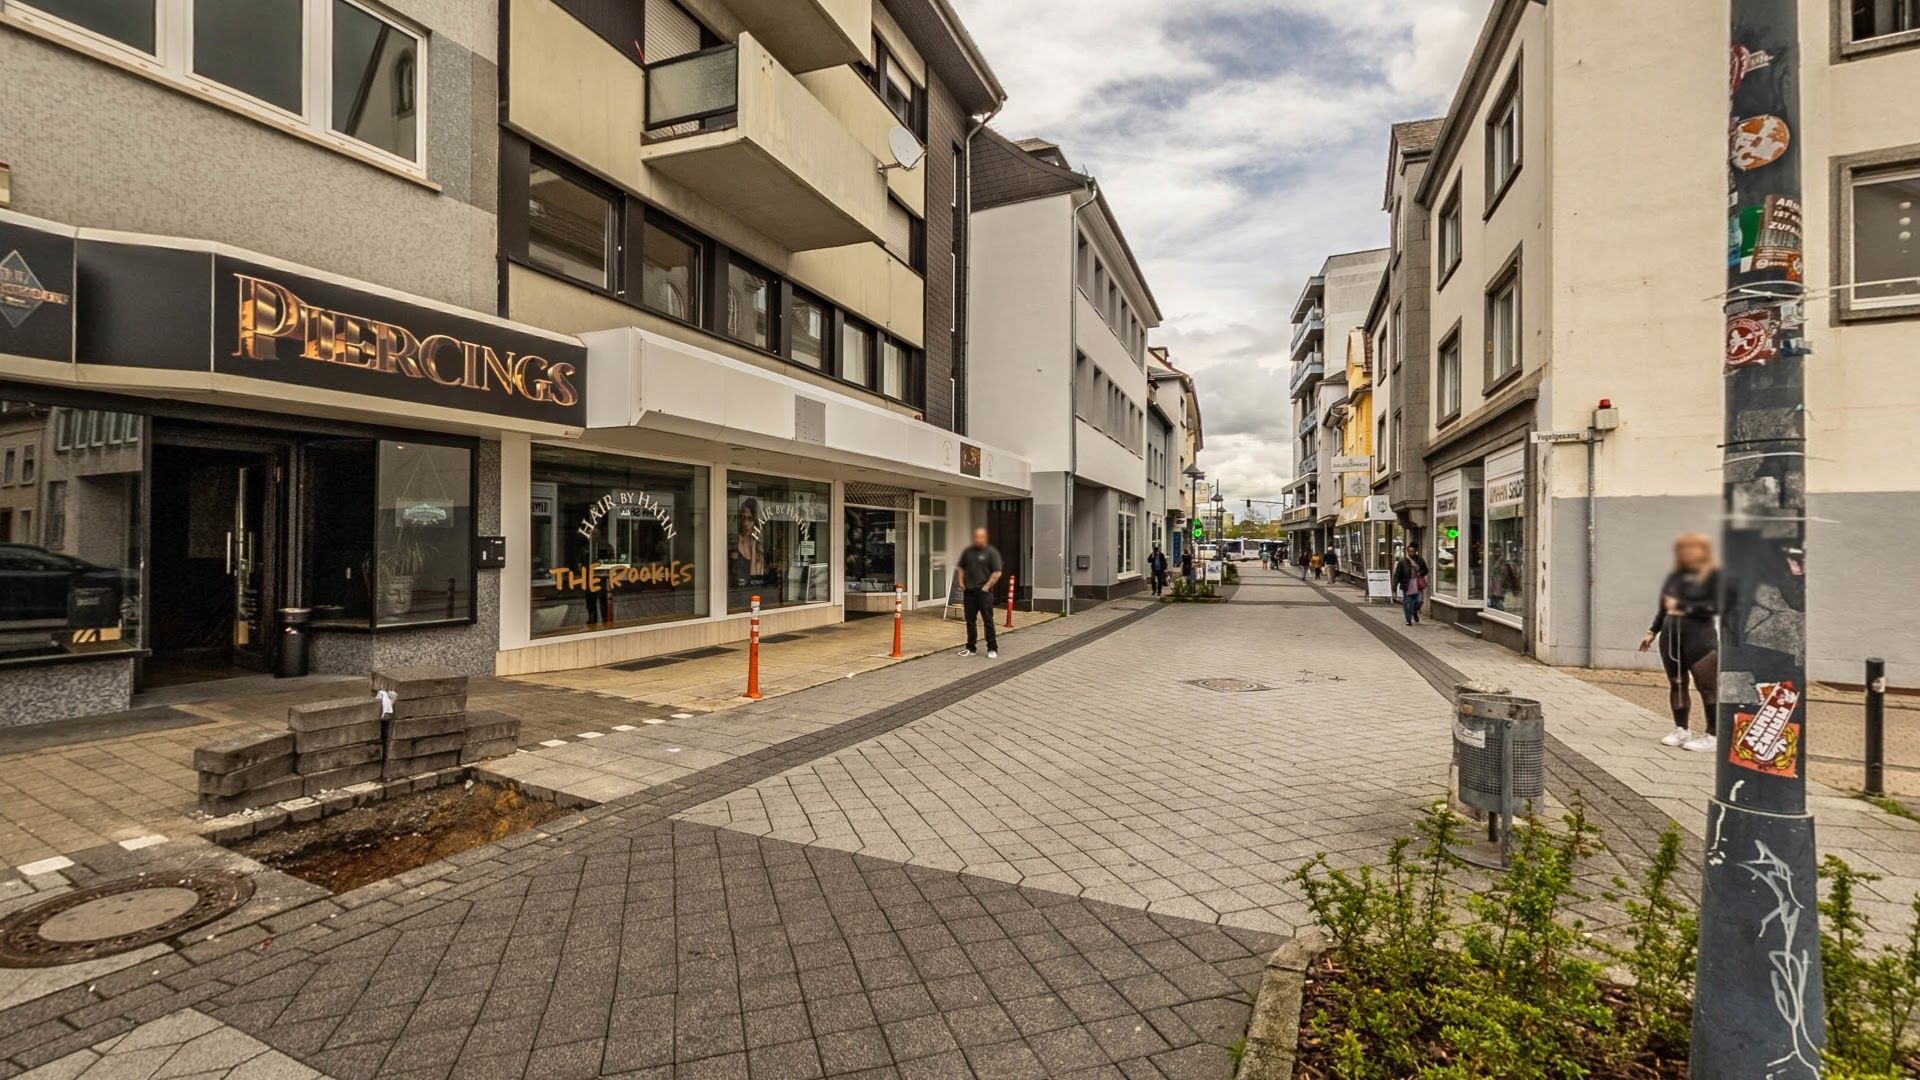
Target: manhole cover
{"type": "Point", "coordinates": [1230, 686]}
{"type": "Point", "coordinates": [118, 916]}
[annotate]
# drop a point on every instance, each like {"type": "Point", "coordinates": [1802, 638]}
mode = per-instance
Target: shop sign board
{"type": "Point", "coordinates": [1380, 508]}
{"type": "Point", "coordinates": [36, 292]}
{"type": "Point", "coordinates": [1352, 463]}
{"type": "Point", "coordinates": [1507, 490]}
{"type": "Point", "coordinates": [1213, 570]}
{"type": "Point", "coordinates": [149, 305]}
{"type": "Point", "coordinates": [1379, 584]}
{"type": "Point", "coordinates": [969, 460]}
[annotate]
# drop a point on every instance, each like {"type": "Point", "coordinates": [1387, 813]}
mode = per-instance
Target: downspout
{"type": "Point", "coordinates": [962, 407]}
{"type": "Point", "coordinates": [1073, 391]}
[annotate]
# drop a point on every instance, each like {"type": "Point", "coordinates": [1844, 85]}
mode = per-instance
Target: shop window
{"type": "Point", "coordinates": [779, 541]}
{"type": "Point", "coordinates": [376, 72]}
{"type": "Point", "coordinates": [253, 46]}
{"type": "Point", "coordinates": [616, 541]}
{"type": "Point", "coordinates": [1446, 544]}
{"type": "Point", "coordinates": [394, 529]}
{"type": "Point", "coordinates": [1124, 560]}
{"type": "Point", "coordinates": [569, 227]}
{"type": "Point", "coordinates": [129, 22]}
{"type": "Point", "coordinates": [876, 557]}
{"type": "Point", "coordinates": [74, 588]}
{"type": "Point", "coordinates": [809, 344]}
{"type": "Point", "coordinates": [749, 305]}
{"type": "Point", "coordinates": [1506, 547]}
{"type": "Point", "coordinates": [670, 272]}
{"type": "Point", "coordinates": [1476, 545]}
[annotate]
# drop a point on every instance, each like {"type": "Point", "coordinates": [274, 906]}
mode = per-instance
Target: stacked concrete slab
{"type": "Point", "coordinates": [330, 745]}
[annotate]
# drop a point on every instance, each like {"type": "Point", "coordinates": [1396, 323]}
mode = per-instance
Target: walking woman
{"type": "Point", "coordinates": [1410, 577]}
{"type": "Point", "coordinates": [1689, 642]}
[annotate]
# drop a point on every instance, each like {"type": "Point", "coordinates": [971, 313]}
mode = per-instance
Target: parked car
{"type": "Point", "coordinates": [44, 593]}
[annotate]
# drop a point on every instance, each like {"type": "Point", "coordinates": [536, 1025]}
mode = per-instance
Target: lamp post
{"type": "Point", "coordinates": [1761, 1008]}
{"type": "Point", "coordinates": [1194, 476]}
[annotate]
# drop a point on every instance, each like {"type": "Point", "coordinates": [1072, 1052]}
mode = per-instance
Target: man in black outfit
{"type": "Point", "coordinates": [978, 569]}
{"type": "Point", "coordinates": [1157, 566]}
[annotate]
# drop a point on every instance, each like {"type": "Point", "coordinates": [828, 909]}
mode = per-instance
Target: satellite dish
{"type": "Point", "coordinates": [906, 149]}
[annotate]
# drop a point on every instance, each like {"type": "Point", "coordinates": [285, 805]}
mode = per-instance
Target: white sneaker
{"type": "Point", "coordinates": [1702, 742]}
{"type": "Point", "coordinates": [964, 652]}
{"type": "Point", "coordinates": [1677, 737]}
{"type": "Point", "coordinates": [993, 654]}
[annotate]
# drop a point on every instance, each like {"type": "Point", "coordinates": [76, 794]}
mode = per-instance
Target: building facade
{"type": "Point", "coordinates": [232, 390]}
{"type": "Point", "coordinates": [1331, 306]}
{"type": "Point", "coordinates": [1399, 325]}
{"type": "Point", "coordinates": [1060, 317]}
{"type": "Point", "coordinates": [1174, 403]}
{"type": "Point", "coordinates": [1567, 273]}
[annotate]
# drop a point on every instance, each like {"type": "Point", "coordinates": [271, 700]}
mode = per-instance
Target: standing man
{"type": "Point", "coordinates": [978, 570]}
{"type": "Point", "coordinates": [1157, 565]}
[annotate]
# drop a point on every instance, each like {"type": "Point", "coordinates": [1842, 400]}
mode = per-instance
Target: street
{"type": "Point", "coordinates": [1072, 861]}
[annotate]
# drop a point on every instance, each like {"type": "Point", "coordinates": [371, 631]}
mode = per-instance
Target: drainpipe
{"type": "Point", "coordinates": [1593, 550]}
{"type": "Point", "coordinates": [1073, 389]}
{"type": "Point", "coordinates": [962, 418]}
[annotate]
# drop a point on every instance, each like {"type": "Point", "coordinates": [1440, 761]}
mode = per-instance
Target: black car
{"type": "Point", "coordinates": [44, 594]}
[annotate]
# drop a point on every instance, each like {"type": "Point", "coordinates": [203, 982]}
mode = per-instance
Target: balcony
{"type": "Point", "coordinates": [1306, 373]}
{"type": "Point", "coordinates": [1314, 323]}
{"type": "Point", "coordinates": [1308, 465]}
{"type": "Point", "coordinates": [810, 35]}
{"type": "Point", "coordinates": [736, 127]}
{"type": "Point", "coordinates": [1308, 421]}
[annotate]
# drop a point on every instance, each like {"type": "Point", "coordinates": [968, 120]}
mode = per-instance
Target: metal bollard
{"type": "Point", "coordinates": [1012, 582]}
{"type": "Point", "coordinates": [1876, 726]}
{"type": "Point", "coordinates": [899, 605]}
{"type": "Point", "coordinates": [753, 652]}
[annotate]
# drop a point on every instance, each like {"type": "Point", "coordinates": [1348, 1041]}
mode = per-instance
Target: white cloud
{"type": "Point", "coordinates": [1240, 143]}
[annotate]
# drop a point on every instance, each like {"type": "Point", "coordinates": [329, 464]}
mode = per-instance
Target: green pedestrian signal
{"type": "Point", "coordinates": [1453, 534]}
{"type": "Point", "coordinates": [1198, 532]}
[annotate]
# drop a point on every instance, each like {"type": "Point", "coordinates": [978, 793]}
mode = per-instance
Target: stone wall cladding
{"type": "Point", "coordinates": [39, 695]}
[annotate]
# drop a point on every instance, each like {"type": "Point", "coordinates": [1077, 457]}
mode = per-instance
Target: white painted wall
{"type": "Point", "coordinates": [1018, 357]}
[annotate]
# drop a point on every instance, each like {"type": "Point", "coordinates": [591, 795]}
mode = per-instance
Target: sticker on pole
{"type": "Point", "coordinates": [1759, 141]}
{"type": "Point", "coordinates": [1768, 740]}
{"type": "Point", "coordinates": [1745, 62]}
{"type": "Point", "coordinates": [1752, 337]}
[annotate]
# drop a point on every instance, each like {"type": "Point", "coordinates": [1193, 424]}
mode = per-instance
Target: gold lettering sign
{"type": "Point", "coordinates": [270, 313]}
{"type": "Point", "coordinates": [594, 577]}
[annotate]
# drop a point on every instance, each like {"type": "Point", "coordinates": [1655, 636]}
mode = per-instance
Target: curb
{"type": "Point", "coordinates": [1274, 1033]}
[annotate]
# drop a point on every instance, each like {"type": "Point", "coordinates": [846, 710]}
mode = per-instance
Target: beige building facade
{"type": "Point", "coordinates": [1580, 238]}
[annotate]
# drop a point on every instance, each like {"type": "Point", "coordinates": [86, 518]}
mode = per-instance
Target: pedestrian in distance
{"type": "Point", "coordinates": [1333, 564]}
{"type": "Point", "coordinates": [978, 571]}
{"type": "Point", "coordinates": [1688, 639]}
{"type": "Point", "coordinates": [1304, 563]}
{"type": "Point", "coordinates": [1410, 577]}
{"type": "Point", "coordinates": [1157, 565]}
{"type": "Point", "coordinates": [1319, 564]}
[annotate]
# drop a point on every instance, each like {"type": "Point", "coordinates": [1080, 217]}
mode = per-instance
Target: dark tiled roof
{"type": "Point", "coordinates": [1418, 136]}
{"type": "Point", "coordinates": [1005, 172]}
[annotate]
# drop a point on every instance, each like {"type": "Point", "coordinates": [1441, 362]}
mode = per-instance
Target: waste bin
{"type": "Point", "coordinates": [295, 643]}
{"type": "Point", "coordinates": [1489, 780]}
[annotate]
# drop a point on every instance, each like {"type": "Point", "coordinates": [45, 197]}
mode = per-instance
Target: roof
{"type": "Point", "coordinates": [1502, 19]}
{"type": "Point", "coordinates": [934, 29]}
{"type": "Point", "coordinates": [1007, 171]}
{"type": "Point", "coordinates": [1411, 140]}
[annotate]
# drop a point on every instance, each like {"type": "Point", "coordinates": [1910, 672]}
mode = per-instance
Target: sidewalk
{"type": "Point", "coordinates": [69, 788]}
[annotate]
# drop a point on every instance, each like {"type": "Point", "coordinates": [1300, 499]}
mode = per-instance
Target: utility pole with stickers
{"type": "Point", "coordinates": [1759, 1008]}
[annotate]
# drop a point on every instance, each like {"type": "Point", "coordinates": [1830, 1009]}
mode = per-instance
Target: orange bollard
{"type": "Point", "coordinates": [753, 652]}
{"type": "Point", "coordinates": [1012, 581]}
{"type": "Point", "coordinates": [899, 603]}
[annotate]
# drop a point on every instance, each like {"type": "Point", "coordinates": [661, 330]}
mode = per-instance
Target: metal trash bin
{"type": "Point", "coordinates": [1491, 779]}
{"type": "Point", "coordinates": [296, 643]}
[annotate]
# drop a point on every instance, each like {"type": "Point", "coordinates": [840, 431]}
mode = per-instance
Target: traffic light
{"type": "Point", "coordinates": [1198, 532]}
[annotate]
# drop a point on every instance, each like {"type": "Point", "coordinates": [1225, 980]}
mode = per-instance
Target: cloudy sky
{"type": "Point", "coordinates": [1240, 142]}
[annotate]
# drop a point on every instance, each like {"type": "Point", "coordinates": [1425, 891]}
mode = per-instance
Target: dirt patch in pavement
{"type": "Point", "coordinates": [372, 843]}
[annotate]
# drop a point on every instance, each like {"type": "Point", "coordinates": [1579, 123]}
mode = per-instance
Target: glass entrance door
{"type": "Point", "coordinates": [935, 565]}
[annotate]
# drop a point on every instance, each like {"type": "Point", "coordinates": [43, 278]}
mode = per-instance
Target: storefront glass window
{"type": "Point", "coordinates": [1506, 545]}
{"type": "Point", "coordinates": [616, 541]}
{"type": "Point", "coordinates": [876, 557]}
{"type": "Point", "coordinates": [1446, 544]}
{"type": "Point", "coordinates": [779, 541]}
{"type": "Point", "coordinates": [340, 478]}
{"type": "Point", "coordinates": [75, 540]}
{"type": "Point", "coordinates": [1476, 546]}
{"type": "Point", "coordinates": [423, 511]}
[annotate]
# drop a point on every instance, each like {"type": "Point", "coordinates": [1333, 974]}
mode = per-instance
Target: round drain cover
{"type": "Point", "coordinates": [118, 916]}
{"type": "Point", "coordinates": [1230, 685]}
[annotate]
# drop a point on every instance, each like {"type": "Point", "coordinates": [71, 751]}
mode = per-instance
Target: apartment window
{"type": "Point", "coordinates": [1393, 444]}
{"type": "Point", "coordinates": [1503, 328]}
{"type": "Point", "coordinates": [749, 304]}
{"type": "Point", "coordinates": [1083, 265]}
{"type": "Point", "coordinates": [906, 236]}
{"type": "Point", "coordinates": [856, 353]}
{"type": "Point", "coordinates": [670, 276]}
{"type": "Point", "coordinates": [893, 369]}
{"type": "Point", "coordinates": [569, 227]}
{"type": "Point", "coordinates": [809, 322]}
{"type": "Point", "coordinates": [129, 22]}
{"type": "Point", "coordinates": [1447, 378]}
{"type": "Point", "coordinates": [357, 86]}
{"type": "Point", "coordinates": [1503, 140]}
{"type": "Point", "coordinates": [889, 78]}
{"type": "Point", "coordinates": [1870, 19]}
{"type": "Point", "coordinates": [1881, 254]}
{"type": "Point", "coordinates": [375, 81]}
{"type": "Point", "coordinates": [1450, 235]}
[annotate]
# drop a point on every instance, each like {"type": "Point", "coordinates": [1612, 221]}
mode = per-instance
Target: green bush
{"type": "Point", "coordinates": [1873, 999]}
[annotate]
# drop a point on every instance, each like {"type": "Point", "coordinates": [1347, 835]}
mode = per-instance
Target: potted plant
{"type": "Point", "coordinates": [400, 562]}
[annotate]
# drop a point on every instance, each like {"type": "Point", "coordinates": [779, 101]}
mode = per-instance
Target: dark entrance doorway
{"type": "Point", "coordinates": [217, 555]}
{"type": "Point", "coordinates": [1007, 526]}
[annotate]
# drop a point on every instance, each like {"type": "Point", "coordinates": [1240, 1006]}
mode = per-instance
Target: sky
{"type": "Point", "coordinates": [1240, 142]}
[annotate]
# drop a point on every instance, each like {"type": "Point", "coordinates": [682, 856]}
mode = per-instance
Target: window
{"type": "Point", "coordinates": [1881, 245]}
{"type": "Point", "coordinates": [889, 78]}
{"type": "Point", "coordinates": [779, 541]}
{"type": "Point", "coordinates": [1503, 328]}
{"type": "Point", "coordinates": [616, 541]}
{"type": "Point", "coordinates": [670, 272]}
{"type": "Point", "coordinates": [253, 46]}
{"type": "Point", "coordinates": [1447, 378]}
{"type": "Point", "coordinates": [856, 353]}
{"type": "Point", "coordinates": [906, 236]}
{"type": "Point", "coordinates": [1124, 564]}
{"type": "Point", "coordinates": [1880, 18]}
{"type": "Point", "coordinates": [57, 515]}
{"type": "Point", "coordinates": [569, 227]}
{"type": "Point", "coordinates": [1450, 235]}
{"type": "Point", "coordinates": [1083, 265]}
{"type": "Point", "coordinates": [809, 332]}
{"type": "Point", "coordinates": [130, 22]}
{"type": "Point", "coordinates": [27, 462]}
{"type": "Point", "coordinates": [1503, 140]}
{"type": "Point", "coordinates": [375, 81]}
{"type": "Point", "coordinates": [749, 305]}
{"type": "Point", "coordinates": [6, 471]}
{"type": "Point", "coordinates": [893, 369]}
{"type": "Point", "coordinates": [399, 523]}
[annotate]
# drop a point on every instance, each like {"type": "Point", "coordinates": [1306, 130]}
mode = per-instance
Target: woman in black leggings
{"type": "Point", "coordinates": [1689, 641]}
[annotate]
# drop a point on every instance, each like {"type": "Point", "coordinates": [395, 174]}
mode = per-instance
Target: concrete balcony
{"type": "Point", "coordinates": [736, 127]}
{"type": "Point", "coordinates": [1306, 373]}
{"type": "Point", "coordinates": [1308, 329]}
{"type": "Point", "coordinates": [810, 35]}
